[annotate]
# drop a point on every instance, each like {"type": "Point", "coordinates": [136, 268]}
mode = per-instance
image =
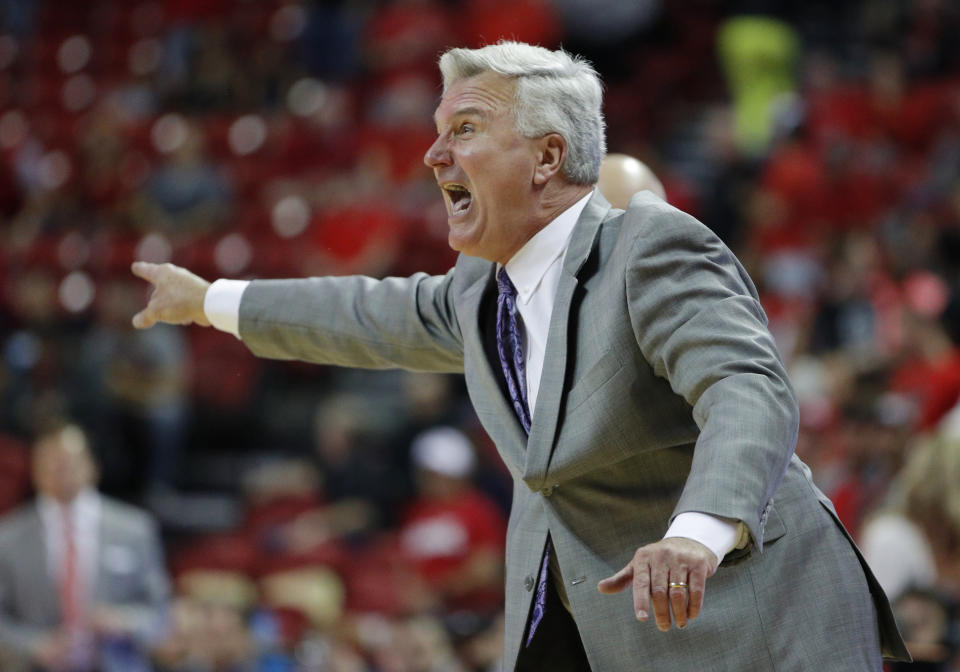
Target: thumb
{"type": "Point", "coordinates": [142, 320]}
{"type": "Point", "coordinates": [617, 582]}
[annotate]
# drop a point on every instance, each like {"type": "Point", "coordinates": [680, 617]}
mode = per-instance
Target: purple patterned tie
{"type": "Point", "coordinates": [510, 349]}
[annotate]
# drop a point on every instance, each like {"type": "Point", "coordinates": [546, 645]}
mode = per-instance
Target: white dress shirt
{"type": "Point", "coordinates": [535, 272]}
{"type": "Point", "coordinates": [84, 512]}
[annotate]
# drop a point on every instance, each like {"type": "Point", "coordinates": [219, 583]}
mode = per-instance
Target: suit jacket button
{"type": "Point", "coordinates": [528, 583]}
{"type": "Point", "coordinates": [547, 491]}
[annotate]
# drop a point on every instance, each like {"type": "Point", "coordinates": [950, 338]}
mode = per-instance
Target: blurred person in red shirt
{"type": "Point", "coordinates": [453, 534]}
{"type": "Point", "coordinates": [929, 373]}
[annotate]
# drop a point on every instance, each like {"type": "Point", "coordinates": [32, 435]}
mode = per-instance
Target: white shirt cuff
{"type": "Point", "coordinates": [222, 304]}
{"type": "Point", "coordinates": [718, 534]}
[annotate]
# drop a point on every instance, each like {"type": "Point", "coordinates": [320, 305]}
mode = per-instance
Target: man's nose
{"type": "Point", "coordinates": [438, 155]}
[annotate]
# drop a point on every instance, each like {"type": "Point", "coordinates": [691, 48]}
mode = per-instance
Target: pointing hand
{"type": "Point", "coordinates": [177, 296]}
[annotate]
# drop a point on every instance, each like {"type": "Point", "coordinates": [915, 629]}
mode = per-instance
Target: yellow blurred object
{"type": "Point", "coordinates": [759, 56]}
{"type": "Point", "coordinates": [231, 589]}
{"type": "Point", "coordinates": [316, 592]}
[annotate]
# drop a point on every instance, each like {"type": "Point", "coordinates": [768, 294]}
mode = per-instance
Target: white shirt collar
{"type": "Point", "coordinates": [527, 267]}
{"type": "Point", "coordinates": [85, 506]}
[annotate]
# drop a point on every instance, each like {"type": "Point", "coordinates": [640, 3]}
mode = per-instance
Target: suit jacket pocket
{"type": "Point", "coordinates": [595, 377]}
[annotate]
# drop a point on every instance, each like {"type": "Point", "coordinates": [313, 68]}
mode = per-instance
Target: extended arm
{"type": "Point", "coordinates": [21, 639]}
{"type": "Point", "coordinates": [356, 321]}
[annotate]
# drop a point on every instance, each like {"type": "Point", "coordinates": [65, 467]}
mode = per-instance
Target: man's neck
{"type": "Point", "coordinates": [553, 205]}
{"type": "Point", "coordinates": [83, 497]}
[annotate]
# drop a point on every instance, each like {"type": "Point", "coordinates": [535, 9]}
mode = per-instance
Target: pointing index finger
{"type": "Point", "coordinates": [617, 582]}
{"type": "Point", "coordinates": [145, 270]}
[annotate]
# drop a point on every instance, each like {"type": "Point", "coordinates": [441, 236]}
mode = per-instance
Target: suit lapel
{"type": "Point", "coordinates": [483, 381]}
{"type": "Point", "coordinates": [546, 415]}
{"type": "Point", "coordinates": [43, 583]}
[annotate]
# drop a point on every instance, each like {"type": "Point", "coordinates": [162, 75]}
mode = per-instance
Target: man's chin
{"type": "Point", "coordinates": [458, 239]}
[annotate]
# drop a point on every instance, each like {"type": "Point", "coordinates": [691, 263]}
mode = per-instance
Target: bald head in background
{"type": "Point", "coordinates": [621, 176]}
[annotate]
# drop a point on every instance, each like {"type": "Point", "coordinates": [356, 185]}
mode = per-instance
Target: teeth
{"type": "Point", "coordinates": [461, 205]}
{"type": "Point", "coordinates": [460, 197]}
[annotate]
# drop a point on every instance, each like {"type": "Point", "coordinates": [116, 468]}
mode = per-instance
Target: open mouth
{"type": "Point", "coordinates": [459, 197]}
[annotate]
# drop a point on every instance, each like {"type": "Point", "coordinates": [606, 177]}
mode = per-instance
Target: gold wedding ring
{"type": "Point", "coordinates": [678, 584]}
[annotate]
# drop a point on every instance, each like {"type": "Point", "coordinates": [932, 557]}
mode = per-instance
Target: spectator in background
{"type": "Point", "coordinates": [135, 396]}
{"type": "Point", "coordinates": [205, 637]}
{"type": "Point", "coordinates": [929, 372]}
{"type": "Point", "coordinates": [14, 470]}
{"type": "Point", "coordinates": [621, 176]}
{"type": "Point", "coordinates": [33, 352]}
{"type": "Point", "coordinates": [419, 644]}
{"type": "Point", "coordinates": [915, 542]}
{"type": "Point", "coordinates": [82, 579]}
{"type": "Point", "coordinates": [913, 546]}
{"type": "Point", "coordinates": [188, 195]}
{"type": "Point", "coordinates": [927, 621]}
{"type": "Point", "coordinates": [356, 469]}
{"type": "Point", "coordinates": [453, 534]}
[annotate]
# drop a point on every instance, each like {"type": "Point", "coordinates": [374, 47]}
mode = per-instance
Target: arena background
{"type": "Point", "coordinates": [820, 140]}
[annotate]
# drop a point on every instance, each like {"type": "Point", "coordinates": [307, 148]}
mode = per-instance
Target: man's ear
{"type": "Point", "coordinates": [552, 152]}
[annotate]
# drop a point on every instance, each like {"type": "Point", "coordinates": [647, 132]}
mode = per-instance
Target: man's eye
{"type": "Point", "coordinates": [465, 128]}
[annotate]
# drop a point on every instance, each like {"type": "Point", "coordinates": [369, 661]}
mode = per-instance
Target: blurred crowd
{"type": "Point", "coordinates": [324, 519]}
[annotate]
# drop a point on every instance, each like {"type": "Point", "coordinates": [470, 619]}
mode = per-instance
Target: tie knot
{"type": "Point", "coordinates": [504, 285]}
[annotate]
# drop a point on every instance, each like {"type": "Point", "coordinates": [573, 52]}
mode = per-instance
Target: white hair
{"type": "Point", "coordinates": [556, 92]}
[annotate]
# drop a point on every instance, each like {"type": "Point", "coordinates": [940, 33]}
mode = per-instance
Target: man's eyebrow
{"type": "Point", "coordinates": [466, 112]}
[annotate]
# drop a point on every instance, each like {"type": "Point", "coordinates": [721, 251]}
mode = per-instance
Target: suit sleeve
{"type": "Point", "coordinates": [355, 321]}
{"type": "Point", "coordinates": [699, 323]}
{"type": "Point", "coordinates": [17, 637]}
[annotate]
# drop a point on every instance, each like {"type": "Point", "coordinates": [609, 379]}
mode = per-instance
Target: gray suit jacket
{"type": "Point", "coordinates": [662, 392]}
{"type": "Point", "coordinates": [130, 575]}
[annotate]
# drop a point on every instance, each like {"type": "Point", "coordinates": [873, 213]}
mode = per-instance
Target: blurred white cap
{"type": "Point", "coordinates": [444, 450]}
